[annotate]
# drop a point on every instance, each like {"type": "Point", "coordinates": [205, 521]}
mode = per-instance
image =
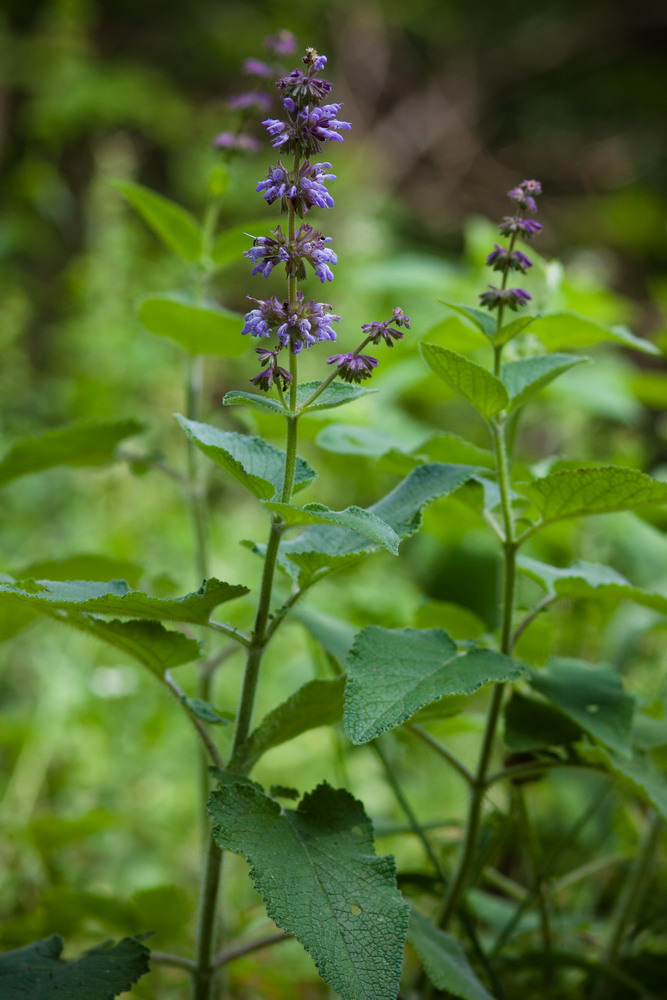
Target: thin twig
{"type": "Point", "coordinates": [211, 748]}
{"type": "Point", "coordinates": [442, 750]}
{"type": "Point", "coordinates": [163, 958]}
{"type": "Point", "coordinates": [246, 949]}
{"type": "Point", "coordinates": [532, 615]}
{"type": "Point", "coordinates": [229, 630]}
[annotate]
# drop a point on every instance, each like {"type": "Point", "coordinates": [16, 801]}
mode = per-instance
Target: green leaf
{"type": "Point", "coordinates": [351, 439]}
{"type": "Point", "coordinates": [480, 387]}
{"type": "Point", "coordinates": [527, 376]}
{"type": "Point", "coordinates": [176, 227]}
{"type": "Point", "coordinates": [230, 244]}
{"type": "Point", "coordinates": [257, 465]}
{"type": "Point", "coordinates": [639, 770]}
{"type": "Point", "coordinates": [87, 442]}
{"type": "Point", "coordinates": [327, 547]}
{"type": "Point", "coordinates": [116, 598]}
{"type": "Point", "coordinates": [204, 711]}
{"type": "Point", "coordinates": [198, 329]}
{"type": "Point", "coordinates": [82, 566]}
{"type": "Point", "coordinates": [534, 725]}
{"type": "Point", "coordinates": [593, 697]}
{"type": "Point", "coordinates": [316, 870]}
{"type": "Point", "coordinates": [569, 329]}
{"type": "Point", "coordinates": [263, 402]}
{"type": "Point", "coordinates": [444, 960]}
{"type": "Point", "coordinates": [512, 329]}
{"type": "Point", "coordinates": [357, 519]}
{"type": "Point", "coordinates": [334, 635]}
{"type": "Point", "coordinates": [149, 642]}
{"type": "Point", "coordinates": [392, 673]}
{"type": "Point", "coordinates": [317, 703]}
{"type": "Point", "coordinates": [37, 972]}
{"type": "Point", "coordinates": [335, 394]}
{"type": "Point", "coordinates": [484, 321]}
{"type": "Point", "coordinates": [599, 490]}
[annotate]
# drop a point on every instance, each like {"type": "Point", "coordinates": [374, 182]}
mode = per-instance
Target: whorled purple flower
{"type": "Point", "coordinates": [500, 259]}
{"type": "Point", "coordinates": [305, 130]}
{"type": "Point", "coordinates": [522, 227]}
{"type": "Point", "coordinates": [512, 297]}
{"type": "Point", "coordinates": [251, 100]}
{"type": "Point", "coordinates": [378, 332]}
{"type": "Point", "coordinates": [308, 245]}
{"type": "Point", "coordinates": [283, 43]}
{"type": "Point", "coordinates": [306, 324]}
{"type": "Point", "coordinates": [353, 367]}
{"type": "Point", "coordinates": [304, 88]}
{"type": "Point", "coordinates": [238, 142]}
{"type": "Point", "coordinates": [302, 190]}
{"type": "Point", "coordinates": [272, 373]}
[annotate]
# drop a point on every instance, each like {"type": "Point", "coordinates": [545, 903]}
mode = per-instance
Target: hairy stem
{"type": "Point", "coordinates": [204, 971]}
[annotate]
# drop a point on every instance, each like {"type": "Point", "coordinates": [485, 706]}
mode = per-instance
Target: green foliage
{"type": "Point", "coordinates": [38, 972]}
{"type": "Point", "coordinates": [336, 394]}
{"type": "Point", "coordinates": [444, 960]}
{"type": "Point", "coordinates": [149, 642]}
{"type": "Point", "coordinates": [478, 386]}
{"type": "Point", "coordinates": [584, 579]}
{"type": "Point", "coordinates": [581, 492]}
{"type": "Point", "coordinates": [534, 725]}
{"type": "Point", "coordinates": [392, 673]}
{"type": "Point", "coordinates": [317, 872]}
{"type": "Point", "coordinates": [484, 321]}
{"type": "Point", "coordinates": [86, 443]}
{"type": "Point", "coordinates": [525, 377]}
{"type": "Point", "coordinates": [230, 243]}
{"type": "Point", "coordinates": [357, 519]}
{"type": "Point", "coordinates": [176, 227]}
{"type": "Point", "coordinates": [198, 329]}
{"type": "Point", "coordinates": [568, 329]}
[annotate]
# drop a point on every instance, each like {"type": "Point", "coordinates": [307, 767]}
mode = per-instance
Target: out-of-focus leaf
{"type": "Point", "coordinates": [480, 387]}
{"type": "Point", "coordinates": [149, 642]}
{"type": "Point", "coordinates": [525, 377]}
{"type": "Point", "coordinates": [512, 329]}
{"type": "Point", "coordinates": [198, 329]}
{"type": "Point", "coordinates": [175, 226]}
{"type": "Point", "coordinates": [230, 244]}
{"type": "Point", "coordinates": [444, 960]}
{"type": "Point", "coordinates": [568, 329]}
{"type": "Point", "coordinates": [205, 712]}
{"type": "Point", "coordinates": [484, 321]}
{"type": "Point", "coordinates": [333, 634]}
{"type": "Point", "coordinates": [534, 725]}
{"type": "Point", "coordinates": [348, 439]}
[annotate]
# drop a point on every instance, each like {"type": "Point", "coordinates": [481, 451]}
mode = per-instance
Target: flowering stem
{"type": "Point", "coordinates": [330, 378]}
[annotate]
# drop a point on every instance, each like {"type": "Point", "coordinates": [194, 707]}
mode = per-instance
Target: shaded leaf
{"type": "Point", "coordinates": [392, 673]}
{"type": "Point", "coordinates": [444, 959]}
{"type": "Point", "coordinates": [525, 377]}
{"type": "Point", "coordinates": [357, 519]}
{"type": "Point", "coordinates": [175, 226]}
{"type": "Point", "coordinates": [149, 642]}
{"type": "Point", "coordinates": [205, 712]}
{"type": "Point", "coordinates": [533, 725]}
{"type": "Point", "coordinates": [480, 387]}
{"type": "Point", "coordinates": [639, 770]}
{"type": "Point", "coordinates": [230, 244]}
{"type": "Point", "coordinates": [350, 439]}
{"type": "Point", "coordinates": [256, 464]}
{"type": "Point", "coordinates": [316, 870]}
{"type": "Point", "coordinates": [87, 442]}
{"type": "Point", "coordinates": [317, 703]}
{"type": "Point", "coordinates": [37, 972]}
{"type": "Point", "coordinates": [484, 321]}
{"type": "Point", "coordinates": [198, 329]}
{"type": "Point", "coordinates": [333, 634]}
{"type": "Point", "coordinates": [593, 697]}
{"type": "Point", "coordinates": [598, 490]}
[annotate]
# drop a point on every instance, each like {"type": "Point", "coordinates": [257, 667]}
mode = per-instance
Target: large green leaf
{"type": "Point", "coordinates": [322, 547]}
{"type": "Point", "coordinates": [230, 244]}
{"type": "Point", "coordinates": [176, 227]}
{"type": "Point", "coordinates": [87, 442]}
{"type": "Point", "coordinates": [392, 673]}
{"type": "Point", "coordinates": [484, 321]}
{"type": "Point", "coordinates": [198, 329]}
{"type": "Point", "coordinates": [258, 465]}
{"type": "Point", "coordinates": [525, 377]}
{"type": "Point", "coordinates": [37, 972]}
{"type": "Point", "coordinates": [149, 642]}
{"type": "Point", "coordinates": [336, 394]}
{"type": "Point", "coordinates": [568, 329]}
{"type": "Point", "coordinates": [639, 770]}
{"type": "Point", "coordinates": [593, 697]}
{"type": "Point", "coordinates": [317, 703]}
{"type": "Point", "coordinates": [333, 634]}
{"type": "Point", "coordinates": [444, 960]}
{"type": "Point", "coordinates": [534, 725]}
{"type": "Point", "coordinates": [116, 598]}
{"type": "Point", "coordinates": [355, 439]}
{"type": "Point", "coordinates": [480, 387]}
{"type": "Point", "coordinates": [357, 519]}
{"type": "Point", "coordinates": [584, 579]}
{"type": "Point", "coordinates": [601, 490]}
{"type": "Point", "coordinates": [317, 872]}
{"type": "Point", "coordinates": [512, 329]}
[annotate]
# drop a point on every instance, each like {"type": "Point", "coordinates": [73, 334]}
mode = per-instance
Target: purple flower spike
{"type": "Point", "coordinates": [302, 190]}
{"type": "Point", "coordinates": [308, 245]}
{"type": "Point", "coordinates": [500, 259]}
{"type": "Point", "coordinates": [305, 131]}
{"type": "Point", "coordinates": [353, 367]}
{"type": "Point", "coordinates": [378, 332]}
{"type": "Point", "coordinates": [304, 88]}
{"type": "Point", "coordinates": [523, 227]}
{"type": "Point", "coordinates": [512, 297]}
{"type": "Point", "coordinates": [302, 326]}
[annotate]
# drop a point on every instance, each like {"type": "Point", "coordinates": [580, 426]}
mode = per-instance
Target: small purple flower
{"type": "Point", "coordinates": [523, 227]}
{"type": "Point", "coordinates": [252, 100]}
{"type": "Point", "coordinates": [501, 259]}
{"type": "Point", "coordinates": [308, 245]}
{"type": "Point", "coordinates": [304, 88]}
{"type": "Point", "coordinates": [524, 200]}
{"type": "Point", "coordinates": [531, 187]}
{"type": "Point", "coordinates": [378, 332]}
{"type": "Point", "coordinates": [238, 142]}
{"type": "Point", "coordinates": [271, 374]}
{"type": "Point", "coordinates": [283, 43]}
{"type": "Point", "coordinates": [306, 324]}
{"type": "Point", "coordinates": [512, 297]}
{"type": "Point", "coordinates": [353, 367]}
{"type": "Point", "coordinates": [306, 130]}
{"type": "Point", "coordinates": [255, 67]}
{"type": "Point", "coordinates": [303, 190]}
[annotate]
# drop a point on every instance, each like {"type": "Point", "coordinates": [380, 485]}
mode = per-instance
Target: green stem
{"type": "Point", "coordinates": [442, 751]}
{"type": "Point", "coordinates": [204, 971]}
{"type": "Point", "coordinates": [196, 492]}
{"type": "Point", "coordinates": [528, 840]}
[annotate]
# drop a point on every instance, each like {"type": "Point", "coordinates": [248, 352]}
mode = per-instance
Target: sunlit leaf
{"type": "Point", "coordinates": [525, 377]}
{"type": "Point", "coordinates": [480, 387]}
{"type": "Point", "coordinates": [597, 490]}
{"type": "Point", "coordinates": [175, 226]}
{"type": "Point", "coordinates": [357, 519]}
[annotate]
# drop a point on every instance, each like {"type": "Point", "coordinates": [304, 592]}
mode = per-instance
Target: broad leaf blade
{"type": "Point", "coordinates": [535, 725]}
{"type": "Point", "coordinates": [569, 329]}
{"type": "Point", "coordinates": [392, 673]}
{"type": "Point", "coordinates": [317, 703]}
{"type": "Point", "coordinates": [255, 463]}
{"type": "Point", "coordinates": [335, 394]}
{"type": "Point", "coordinates": [525, 377]}
{"type": "Point", "coordinates": [640, 771]}
{"type": "Point", "coordinates": [357, 519]}
{"type": "Point", "coordinates": [512, 329]}
{"type": "Point", "coordinates": [85, 443]}
{"type": "Point", "coordinates": [263, 402]}
{"type": "Point", "coordinates": [149, 642]}
{"type": "Point", "coordinates": [230, 244]}
{"type": "Point", "coordinates": [318, 874]}
{"type": "Point", "coordinates": [484, 321]}
{"type": "Point", "coordinates": [198, 329]}
{"type": "Point", "coordinates": [176, 227]}
{"type": "Point", "coordinates": [601, 490]}
{"type": "Point", "coordinates": [592, 697]}
{"type": "Point", "coordinates": [37, 972]}
{"type": "Point", "coordinates": [444, 960]}
{"type": "Point", "coordinates": [480, 387]}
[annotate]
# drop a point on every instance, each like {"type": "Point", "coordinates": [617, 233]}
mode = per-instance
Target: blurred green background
{"type": "Point", "coordinates": [451, 104]}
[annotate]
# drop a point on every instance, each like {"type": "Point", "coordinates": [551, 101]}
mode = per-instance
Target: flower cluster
{"type": "Point", "coordinates": [378, 332]}
{"type": "Point", "coordinates": [302, 189]}
{"type": "Point", "coordinates": [508, 259]}
{"type": "Point", "coordinates": [355, 367]}
{"type": "Point", "coordinates": [307, 245]}
{"type": "Point", "coordinates": [303, 325]}
{"type": "Point", "coordinates": [305, 130]}
{"type": "Point", "coordinates": [272, 373]}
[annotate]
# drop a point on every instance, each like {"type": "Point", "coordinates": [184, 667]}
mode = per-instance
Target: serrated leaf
{"type": "Point", "coordinates": [230, 244]}
{"type": "Point", "coordinates": [593, 697]}
{"type": "Point", "coordinates": [357, 519]}
{"type": "Point", "coordinates": [328, 547]}
{"type": "Point", "coordinates": [512, 329]}
{"type": "Point", "coordinates": [256, 464]}
{"type": "Point", "coordinates": [263, 402]}
{"type": "Point", "coordinates": [85, 443]}
{"type": "Point", "coordinates": [198, 329]}
{"type": "Point", "coordinates": [444, 960]}
{"type": "Point", "coordinates": [116, 598]}
{"type": "Point", "coordinates": [316, 870]}
{"type": "Point", "coordinates": [175, 226]}
{"type": "Point", "coordinates": [478, 386]}
{"type": "Point", "coordinates": [336, 394]}
{"type": "Point", "coordinates": [149, 642]}
{"type": "Point", "coordinates": [598, 490]}
{"type": "Point", "coordinates": [484, 321]}
{"type": "Point", "coordinates": [317, 703]}
{"type": "Point", "coordinates": [37, 972]}
{"type": "Point", "coordinates": [392, 673]}
{"type": "Point", "coordinates": [534, 725]}
{"type": "Point", "coordinates": [569, 329]}
{"type": "Point", "coordinates": [525, 377]}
